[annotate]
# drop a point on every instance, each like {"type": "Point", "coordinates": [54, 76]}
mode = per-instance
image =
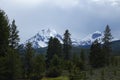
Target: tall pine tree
{"type": "Point", "coordinates": [67, 45]}
{"type": "Point", "coordinates": [96, 58]}
{"type": "Point", "coordinates": [11, 66]}
{"type": "Point", "coordinates": [29, 54]}
{"type": "Point", "coordinates": [50, 52]}
{"type": "Point", "coordinates": [4, 33]}
{"type": "Point", "coordinates": [13, 56]}
{"type": "Point", "coordinates": [14, 37]}
{"type": "Point", "coordinates": [53, 57]}
{"type": "Point", "coordinates": [106, 46]}
{"type": "Point", "coordinates": [54, 47]}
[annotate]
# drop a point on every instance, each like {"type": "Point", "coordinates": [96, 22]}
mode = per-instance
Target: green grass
{"type": "Point", "coordinates": [58, 78]}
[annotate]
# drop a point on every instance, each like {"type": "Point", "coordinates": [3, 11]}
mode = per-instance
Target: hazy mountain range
{"type": "Point", "coordinates": [40, 40]}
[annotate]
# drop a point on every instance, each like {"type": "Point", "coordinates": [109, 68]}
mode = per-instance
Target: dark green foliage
{"type": "Point", "coordinates": [57, 47]}
{"type": "Point", "coordinates": [77, 62]}
{"type": "Point", "coordinates": [76, 66]}
{"type": "Point", "coordinates": [54, 47]}
{"type": "Point", "coordinates": [91, 72]}
{"type": "Point", "coordinates": [14, 37]}
{"type": "Point", "coordinates": [50, 52]}
{"type": "Point", "coordinates": [3, 68]}
{"type": "Point", "coordinates": [96, 57]}
{"type": "Point", "coordinates": [107, 35]}
{"type": "Point", "coordinates": [14, 65]}
{"type": "Point", "coordinates": [70, 66]}
{"type": "Point", "coordinates": [82, 55]}
{"type": "Point", "coordinates": [73, 67]}
{"type": "Point", "coordinates": [67, 45]}
{"type": "Point", "coordinates": [29, 54]}
{"type": "Point", "coordinates": [82, 59]}
{"type": "Point", "coordinates": [74, 74]}
{"type": "Point", "coordinates": [38, 66]}
{"type": "Point", "coordinates": [105, 51]}
{"type": "Point", "coordinates": [4, 33]}
{"type": "Point", "coordinates": [106, 46]}
{"type": "Point", "coordinates": [115, 72]}
{"type": "Point", "coordinates": [102, 75]}
{"type": "Point", "coordinates": [78, 75]}
{"type": "Point", "coordinates": [116, 62]}
{"type": "Point", "coordinates": [10, 66]}
{"type": "Point", "coordinates": [55, 67]}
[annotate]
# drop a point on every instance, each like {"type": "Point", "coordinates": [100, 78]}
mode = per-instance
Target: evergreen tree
{"type": "Point", "coordinates": [78, 64]}
{"type": "Point", "coordinates": [82, 59]}
{"type": "Point", "coordinates": [54, 47]}
{"type": "Point", "coordinates": [4, 36]}
{"type": "Point", "coordinates": [82, 55]}
{"type": "Point", "coordinates": [14, 37]}
{"type": "Point", "coordinates": [57, 47]}
{"type": "Point", "coordinates": [29, 54]}
{"type": "Point", "coordinates": [50, 52]}
{"type": "Point", "coordinates": [4, 33]}
{"type": "Point", "coordinates": [10, 66]}
{"type": "Point", "coordinates": [53, 57]}
{"type": "Point", "coordinates": [96, 58]}
{"type": "Point", "coordinates": [14, 65]}
{"type": "Point", "coordinates": [38, 66]}
{"type": "Point", "coordinates": [3, 68]}
{"type": "Point", "coordinates": [13, 56]}
{"type": "Point", "coordinates": [55, 67]}
{"type": "Point", "coordinates": [107, 35]}
{"type": "Point", "coordinates": [106, 46]}
{"type": "Point", "coordinates": [67, 45]}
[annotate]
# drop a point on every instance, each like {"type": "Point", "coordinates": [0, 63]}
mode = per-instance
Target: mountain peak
{"type": "Point", "coordinates": [42, 37]}
{"type": "Point", "coordinates": [47, 32]}
{"type": "Point", "coordinates": [91, 38]}
{"type": "Point", "coordinates": [98, 32]}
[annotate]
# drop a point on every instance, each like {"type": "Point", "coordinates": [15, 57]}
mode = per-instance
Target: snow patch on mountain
{"type": "Point", "coordinates": [88, 40]}
{"type": "Point", "coordinates": [41, 38]}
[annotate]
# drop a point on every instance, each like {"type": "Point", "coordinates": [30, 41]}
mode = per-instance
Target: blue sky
{"type": "Point", "coordinates": [81, 17]}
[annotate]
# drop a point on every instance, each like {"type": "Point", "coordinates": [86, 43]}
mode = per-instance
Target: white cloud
{"type": "Point", "coordinates": [59, 3]}
{"type": "Point", "coordinates": [28, 2]}
{"type": "Point", "coordinates": [66, 3]}
{"type": "Point", "coordinates": [107, 2]}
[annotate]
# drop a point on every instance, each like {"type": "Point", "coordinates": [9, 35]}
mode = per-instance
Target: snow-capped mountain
{"type": "Point", "coordinates": [41, 38]}
{"type": "Point", "coordinates": [88, 40]}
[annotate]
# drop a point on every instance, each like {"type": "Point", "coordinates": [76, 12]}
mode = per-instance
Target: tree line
{"type": "Point", "coordinates": [26, 64]}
